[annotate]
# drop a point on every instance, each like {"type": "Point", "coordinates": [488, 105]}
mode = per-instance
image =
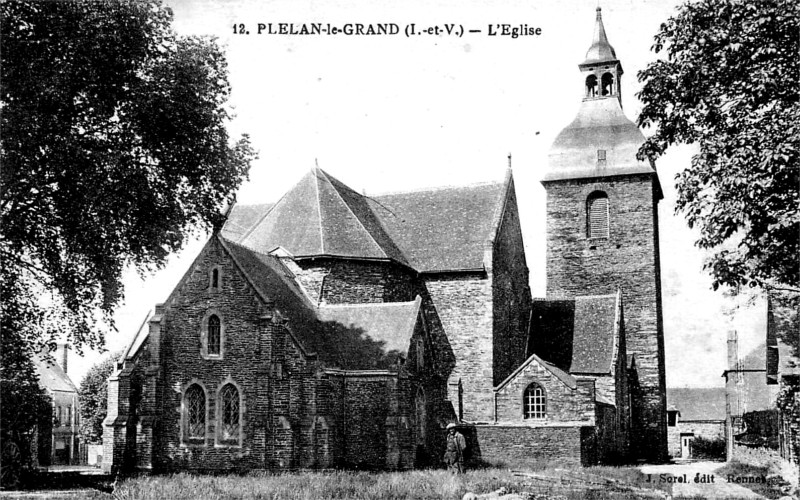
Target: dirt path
{"type": "Point", "coordinates": [719, 489]}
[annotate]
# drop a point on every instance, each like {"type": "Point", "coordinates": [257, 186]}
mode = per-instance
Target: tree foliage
{"type": "Point", "coordinates": [114, 148]}
{"type": "Point", "coordinates": [729, 83]}
{"type": "Point", "coordinates": [23, 401]}
{"type": "Point", "coordinates": [93, 394]}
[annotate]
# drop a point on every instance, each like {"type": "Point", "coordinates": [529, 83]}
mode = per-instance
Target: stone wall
{"type": "Point", "coordinates": [294, 414]}
{"type": "Point", "coordinates": [629, 259]}
{"type": "Point", "coordinates": [511, 294]}
{"type": "Point", "coordinates": [704, 429]}
{"type": "Point", "coordinates": [335, 281]}
{"type": "Point", "coordinates": [564, 404]}
{"type": "Point", "coordinates": [458, 307]}
{"type": "Point", "coordinates": [529, 447]}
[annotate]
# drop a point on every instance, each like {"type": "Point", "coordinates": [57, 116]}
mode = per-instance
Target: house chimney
{"type": "Point", "coordinates": [733, 350]}
{"type": "Point", "coordinates": [62, 356]}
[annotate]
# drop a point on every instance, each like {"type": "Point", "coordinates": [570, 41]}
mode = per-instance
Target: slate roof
{"type": "Point", "coordinates": [242, 218]}
{"type": "Point", "coordinates": [698, 403]}
{"type": "Point", "coordinates": [560, 374]}
{"type": "Point", "coordinates": [52, 377]}
{"type": "Point", "coordinates": [600, 50]}
{"type": "Point", "coordinates": [434, 230]}
{"type": "Point", "coordinates": [351, 337]}
{"type": "Point", "coordinates": [577, 335]}
{"type": "Point", "coordinates": [391, 323]}
{"type": "Point", "coordinates": [320, 216]}
{"type": "Point", "coordinates": [444, 229]}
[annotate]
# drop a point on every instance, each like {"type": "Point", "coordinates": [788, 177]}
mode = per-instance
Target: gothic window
{"type": "Point", "coordinates": [194, 402]}
{"type": "Point", "coordinates": [420, 353]}
{"type": "Point", "coordinates": [597, 215]}
{"type": "Point", "coordinates": [591, 86]}
{"type": "Point", "coordinates": [230, 415]}
{"type": "Point", "coordinates": [214, 335]}
{"type": "Point", "coordinates": [421, 416]}
{"type": "Point", "coordinates": [215, 278]}
{"type": "Point", "coordinates": [533, 402]}
{"type": "Point", "coordinates": [607, 84]}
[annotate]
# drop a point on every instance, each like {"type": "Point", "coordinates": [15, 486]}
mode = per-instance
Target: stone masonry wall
{"type": "Point", "coordinates": [628, 259]}
{"type": "Point", "coordinates": [258, 357]}
{"type": "Point", "coordinates": [530, 447]}
{"type": "Point", "coordinates": [564, 404]}
{"type": "Point", "coordinates": [704, 429]}
{"type": "Point", "coordinates": [511, 294]}
{"type": "Point", "coordinates": [335, 281]}
{"type": "Point", "coordinates": [461, 306]}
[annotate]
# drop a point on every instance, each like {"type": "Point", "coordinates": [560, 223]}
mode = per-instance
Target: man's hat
{"type": "Point", "coordinates": [451, 425]}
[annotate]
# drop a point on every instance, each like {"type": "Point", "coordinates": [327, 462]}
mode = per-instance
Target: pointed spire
{"type": "Point", "coordinates": [601, 50]}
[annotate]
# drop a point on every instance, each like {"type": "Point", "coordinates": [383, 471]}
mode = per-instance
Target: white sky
{"type": "Point", "coordinates": [394, 113]}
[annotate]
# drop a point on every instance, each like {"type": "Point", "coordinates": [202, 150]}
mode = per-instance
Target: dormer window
{"type": "Point", "coordinates": [591, 86]}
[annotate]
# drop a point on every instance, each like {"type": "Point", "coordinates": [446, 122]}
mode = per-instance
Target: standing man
{"type": "Point", "coordinates": [454, 454]}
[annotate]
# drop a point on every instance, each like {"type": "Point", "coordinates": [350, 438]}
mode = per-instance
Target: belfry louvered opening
{"type": "Point", "coordinates": [597, 215]}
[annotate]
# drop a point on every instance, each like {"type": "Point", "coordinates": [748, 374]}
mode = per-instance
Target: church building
{"type": "Point", "coordinates": [337, 330]}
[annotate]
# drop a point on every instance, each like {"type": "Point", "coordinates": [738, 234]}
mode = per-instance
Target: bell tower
{"type": "Point", "coordinates": [602, 229]}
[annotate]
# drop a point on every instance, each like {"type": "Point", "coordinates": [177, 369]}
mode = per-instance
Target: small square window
{"type": "Point", "coordinates": [601, 155]}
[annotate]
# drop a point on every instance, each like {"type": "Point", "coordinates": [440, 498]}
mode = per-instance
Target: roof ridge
{"type": "Point", "coordinates": [350, 209]}
{"type": "Point", "coordinates": [368, 304]}
{"type": "Point", "coordinates": [438, 188]}
{"type": "Point", "coordinates": [319, 209]}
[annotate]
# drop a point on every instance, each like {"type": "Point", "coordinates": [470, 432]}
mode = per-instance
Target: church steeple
{"type": "Point", "coordinates": [602, 71]}
{"type": "Point", "coordinates": [600, 51]}
{"type": "Point", "coordinates": [601, 141]}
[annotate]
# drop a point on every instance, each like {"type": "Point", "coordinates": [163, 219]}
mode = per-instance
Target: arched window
{"type": "Point", "coordinates": [607, 84]}
{"type": "Point", "coordinates": [597, 215]}
{"type": "Point", "coordinates": [422, 416]}
{"type": "Point", "coordinates": [534, 404]}
{"type": "Point", "coordinates": [420, 353]}
{"type": "Point", "coordinates": [214, 336]}
{"type": "Point", "coordinates": [194, 407]}
{"type": "Point", "coordinates": [215, 278]}
{"type": "Point", "coordinates": [591, 86]}
{"type": "Point", "coordinates": [230, 415]}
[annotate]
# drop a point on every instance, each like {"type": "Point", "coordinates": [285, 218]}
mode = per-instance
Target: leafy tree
{"type": "Point", "coordinates": [93, 394]}
{"type": "Point", "coordinates": [729, 83]}
{"type": "Point", "coordinates": [24, 406]}
{"type": "Point", "coordinates": [114, 149]}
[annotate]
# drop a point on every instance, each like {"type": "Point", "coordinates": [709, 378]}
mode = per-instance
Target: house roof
{"type": "Point", "coordinates": [350, 337]}
{"type": "Point", "coordinates": [242, 218]}
{"type": "Point", "coordinates": [560, 374]}
{"type": "Point", "coordinates": [698, 403]}
{"type": "Point", "coordinates": [434, 230]}
{"type": "Point", "coordinates": [443, 229]}
{"type": "Point", "coordinates": [320, 216]}
{"type": "Point", "coordinates": [391, 324]}
{"type": "Point", "coordinates": [52, 377]}
{"type": "Point", "coordinates": [577, 335]}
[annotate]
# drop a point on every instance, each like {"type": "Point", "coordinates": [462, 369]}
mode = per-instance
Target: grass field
{"type": "Point", "coordinates": [422, 484]}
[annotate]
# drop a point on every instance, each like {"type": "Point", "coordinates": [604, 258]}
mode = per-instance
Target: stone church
{"type": "Point", "coordinates": [332, 329]}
